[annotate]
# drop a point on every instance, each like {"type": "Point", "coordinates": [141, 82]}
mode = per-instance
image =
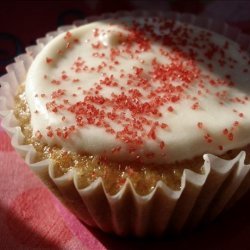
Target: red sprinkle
{"type": "Point", "coordinates": [38, 134]}
{"type": "Point", "coordinates": [151, 133]}
{"type": "Point", "coordinates": [230, 136]}
{"type": "Point", "coordinates": [67, 36]}
{"type": "Point", "coordinates": [58, 93]}
{"type": "Point", "coordinates": [236, 123]}
{"type": "Point", "coordinates": [50, 133]}
{"type": "Point", "coordinates": [162, 144]}
{"type": "Point", "coordinates": [116, 149]}
{"type": "Point", "coordinates": [200, 125]}
{"type": "Point", "coordinates": [64, 76]}
{"type": "Point", "coordinates": [225, 131]}
{"type": "Point", "coordinates": [96, 32]}
{"type": "Point", "coordinates": [56, 82]}
{"type": "Point", "coordinates": [164, 125]}
{"type": "Point", "coordinates": [48, 60]}
{"type": "Point", "coordinates": [170, 109]}
{"type": "Point", "coordinates": [76, 80]}
{"type": "Point", "coordinates": [195, 106]}
{"type": "Point", "coordinates": [208, 138]}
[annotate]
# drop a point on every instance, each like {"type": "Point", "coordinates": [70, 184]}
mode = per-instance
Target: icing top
{"type": "Point", "coordinates": [144, 89]}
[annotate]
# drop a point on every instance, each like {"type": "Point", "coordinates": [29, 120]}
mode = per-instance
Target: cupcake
{"type": "Point", "coordinates": [138, 123]}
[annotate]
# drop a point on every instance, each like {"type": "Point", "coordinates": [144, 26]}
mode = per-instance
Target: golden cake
{"type": "Point", "coordinates": [132, 106]}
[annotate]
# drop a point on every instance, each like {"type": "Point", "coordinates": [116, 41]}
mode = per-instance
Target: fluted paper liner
{"type": "Point", "coordinates": [201, 197]}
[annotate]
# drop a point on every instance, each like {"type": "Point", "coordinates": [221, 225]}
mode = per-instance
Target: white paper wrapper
{"type": "Point", "coordinates": [201, 198]}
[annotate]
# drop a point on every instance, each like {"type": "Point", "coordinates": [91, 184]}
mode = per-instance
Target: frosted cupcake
{"type": "Point", "coordinates": [126, 110]}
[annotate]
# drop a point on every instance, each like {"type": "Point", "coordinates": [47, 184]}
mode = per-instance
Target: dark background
{"type": "Point", "coordinates": [22, 22]}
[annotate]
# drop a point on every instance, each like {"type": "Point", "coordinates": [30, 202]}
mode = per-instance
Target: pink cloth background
{"type": "Point", "coordinates": [32, 218]}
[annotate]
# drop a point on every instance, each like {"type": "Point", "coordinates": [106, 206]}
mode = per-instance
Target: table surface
{"type": "Point", "coordinates": [30, 216]}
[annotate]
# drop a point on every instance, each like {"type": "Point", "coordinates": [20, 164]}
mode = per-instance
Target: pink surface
{"type": "Point", "coordinates": [32, 218]}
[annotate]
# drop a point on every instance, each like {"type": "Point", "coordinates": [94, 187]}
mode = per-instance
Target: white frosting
{"type": "Point", "coordinates": [182, 139]}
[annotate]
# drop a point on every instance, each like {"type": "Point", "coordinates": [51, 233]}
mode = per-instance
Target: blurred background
{"type": "Point", "coordinates": [22, 22]}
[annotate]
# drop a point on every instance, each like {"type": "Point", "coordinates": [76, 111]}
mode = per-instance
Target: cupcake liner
{"type": "Point", "coordinates": [201, 198]}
